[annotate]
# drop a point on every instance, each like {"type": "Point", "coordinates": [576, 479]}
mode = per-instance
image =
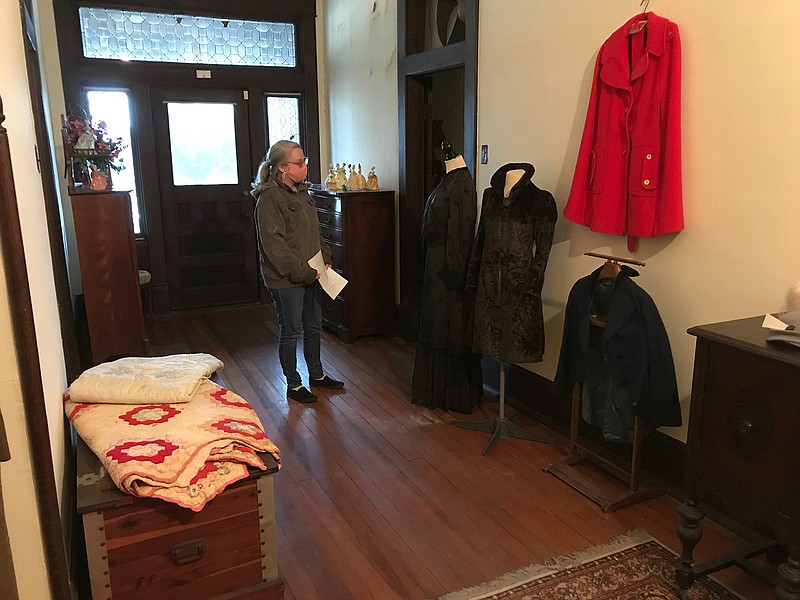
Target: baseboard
{"type": "Point", "coordinates": [663, 457]}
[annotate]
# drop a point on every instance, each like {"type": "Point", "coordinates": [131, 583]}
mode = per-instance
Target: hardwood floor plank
{"type": "Point", "coordinates": [380, 498]}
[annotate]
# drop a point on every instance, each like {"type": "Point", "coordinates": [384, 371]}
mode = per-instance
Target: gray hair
{"type": "Point", "coordinates": [277, 156]}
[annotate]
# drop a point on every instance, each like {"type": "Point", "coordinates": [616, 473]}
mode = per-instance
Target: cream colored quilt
{"type": "Point", "coordinates": [149, 380]}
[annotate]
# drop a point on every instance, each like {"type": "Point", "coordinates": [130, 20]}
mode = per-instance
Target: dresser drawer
{"type": "Point", "coordinates": [331, 234]}
{"type": "Point", "coordinates": [337, 257]}
{"type": "Point", "coordinates": [328, 203]}
{"type": "Point", "coordinates": [330, 218]}
{"type": "Point", "coordinates": [333, 311]}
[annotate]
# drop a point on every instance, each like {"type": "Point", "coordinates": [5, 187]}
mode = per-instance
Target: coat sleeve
{"type": "Point", "coordinates": [543, 238]}
{"type": "Point", "coordinates": [669, 216]}
{"type": "Point", "coordinates": [272, 237]}
{"type": "Point", "coordinates": [661, 394]}
{"type": "Point", "coordinates": [473, 271]}
{"type": "Point", "coordinates": [461, 212]}
{"type": "Point", "coordinates": [579, 205]}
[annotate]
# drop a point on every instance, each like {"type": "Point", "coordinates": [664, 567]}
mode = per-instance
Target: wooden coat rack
{"type": "Point", "coordinates": [608, 499]}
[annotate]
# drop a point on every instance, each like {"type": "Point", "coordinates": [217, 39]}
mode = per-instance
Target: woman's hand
{"type": "Point", "coordinates": [317, 275]}
{"type": "Point", "coordinates": [327, 265]}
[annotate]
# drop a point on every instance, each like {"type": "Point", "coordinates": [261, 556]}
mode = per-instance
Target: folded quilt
{"type": "Point", "coordinates": [145, 380]}
{"type": "Point", "coordinates": [182, 453]}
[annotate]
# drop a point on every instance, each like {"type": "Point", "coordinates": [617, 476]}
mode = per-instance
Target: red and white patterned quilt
{"type": "Point", "coordinates": [183, 453]}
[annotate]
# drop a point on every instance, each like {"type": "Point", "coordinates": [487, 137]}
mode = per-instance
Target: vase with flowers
{"type": "Point", "coordinates": [92, 153]}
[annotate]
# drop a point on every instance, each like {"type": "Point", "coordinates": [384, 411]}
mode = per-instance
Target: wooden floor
{"type": "Point", "coordinates": [379, 498]}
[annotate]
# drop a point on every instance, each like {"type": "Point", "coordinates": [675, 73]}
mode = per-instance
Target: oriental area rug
{"type": "Point", "coordinates": [628, 567]}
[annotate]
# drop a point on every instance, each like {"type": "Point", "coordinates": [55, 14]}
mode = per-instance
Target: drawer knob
{"type": "Point", "coordinates": [188, 552]}
{"type": "Point", "coordinates": [746, 427]}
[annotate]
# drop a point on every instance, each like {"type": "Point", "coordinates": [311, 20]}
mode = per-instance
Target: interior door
{"type": "Point", "coordinates": [204, 170]}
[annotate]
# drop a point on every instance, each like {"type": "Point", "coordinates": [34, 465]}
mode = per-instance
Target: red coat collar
{"type": "Point", "coordinates": [614, 59]}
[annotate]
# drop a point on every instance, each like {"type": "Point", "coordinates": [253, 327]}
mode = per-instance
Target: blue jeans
{"type": "Point", "coordinates": [299, 313]}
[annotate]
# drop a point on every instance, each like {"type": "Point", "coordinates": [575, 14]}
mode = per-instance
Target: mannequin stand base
{"type": "Point", "coordinates": [501, 427]}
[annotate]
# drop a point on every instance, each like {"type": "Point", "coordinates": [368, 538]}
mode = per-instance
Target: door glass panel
{"type": "Point", "coordinates": [202, 143]}
{"type": "Point", "coordinates": [113, 108]}
{"type": "Point", "coordinates": [283, 119]}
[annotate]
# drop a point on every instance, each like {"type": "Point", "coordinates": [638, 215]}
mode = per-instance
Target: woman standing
{"type": "Point", "coordinates": [288, 235]}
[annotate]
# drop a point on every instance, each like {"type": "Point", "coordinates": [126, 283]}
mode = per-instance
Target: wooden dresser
{"type": "Point", "coordinates": [359, 227]}
{"type": "Point", "coordinates": [744, 448]}
{"type": "Point", "coordinates": [109, 274]}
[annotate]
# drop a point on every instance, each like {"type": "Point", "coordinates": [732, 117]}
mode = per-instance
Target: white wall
{"type": "Point", "coordinates": [18, 487]}
{"type": "Point", "coordinates": [738, 254]}
{"type": "Point", "coordinates": [358, 53]}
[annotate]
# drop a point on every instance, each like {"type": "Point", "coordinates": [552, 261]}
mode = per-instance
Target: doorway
{"type": "Point", "coordinates": [204, 172]}
{"type": "Point", "coordinates": [437, 93]}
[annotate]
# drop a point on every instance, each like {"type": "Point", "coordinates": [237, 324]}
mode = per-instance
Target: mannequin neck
{"type": "Point", "coordinates": [512, 177]}
{"type": "Point", "coordinates": [454, 163]}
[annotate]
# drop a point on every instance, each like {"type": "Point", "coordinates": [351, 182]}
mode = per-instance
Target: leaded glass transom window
{"type": "Point", "coordinates": [158, 37]}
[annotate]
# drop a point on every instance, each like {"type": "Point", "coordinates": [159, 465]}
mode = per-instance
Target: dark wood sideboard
{"type": "Point", "coordinates": [359, 226]}
{"type": "Point", "coordinates": [109, 274]}
{"type": "Point", "coordinates": [743, 458]}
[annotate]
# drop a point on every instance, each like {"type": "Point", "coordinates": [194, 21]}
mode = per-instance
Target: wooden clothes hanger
{"type": "Point", "coordinates": [610, 270]}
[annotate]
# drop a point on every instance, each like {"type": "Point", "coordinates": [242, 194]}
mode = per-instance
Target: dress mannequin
{"type": "Point", "coordinates": [512, 177]}
{"type": "Point", "coordinates": [455, 163]}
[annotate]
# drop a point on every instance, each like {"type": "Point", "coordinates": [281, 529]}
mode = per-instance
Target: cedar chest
{"type": "Point", "coordinates": [147, 548]}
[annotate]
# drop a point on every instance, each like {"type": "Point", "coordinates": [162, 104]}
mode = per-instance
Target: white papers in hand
{"type": "Point", "coordinates": [330, 280]}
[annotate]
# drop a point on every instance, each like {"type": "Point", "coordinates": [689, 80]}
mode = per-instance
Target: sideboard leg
{"type": "Point", "coordinates": [689, 533]}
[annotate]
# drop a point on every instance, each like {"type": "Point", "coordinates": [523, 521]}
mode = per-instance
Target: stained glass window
{"type": "Point", "coordinates": [283, 119]}
{"type": "Point", "coordinates": [159, 37]}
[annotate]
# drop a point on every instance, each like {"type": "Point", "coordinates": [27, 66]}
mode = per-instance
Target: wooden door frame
{"type": "Point", "coordinates": [30, 375]}
{"type": "Point", "coordinates": [80, 73]}
{"type": "Point", "coordinates": [414, 63]}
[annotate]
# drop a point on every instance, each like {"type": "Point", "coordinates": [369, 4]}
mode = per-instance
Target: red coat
{"type": "Point", "coordinates": [628, 173]}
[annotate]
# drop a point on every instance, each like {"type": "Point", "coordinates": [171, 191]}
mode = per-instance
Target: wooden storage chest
{"type": "Point", "coordinates": [147, 548]}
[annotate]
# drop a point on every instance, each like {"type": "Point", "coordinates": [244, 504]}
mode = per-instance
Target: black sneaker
{"type": "Point", "coordinates": [301, 394]}
{"type": "Point", "coordinates": [326, 382]}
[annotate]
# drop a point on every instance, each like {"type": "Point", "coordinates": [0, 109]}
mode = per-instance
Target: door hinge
{"type": "Point", "coordinates": [245, 95]}
{"type": "Point", "coordinates": [38, 160]}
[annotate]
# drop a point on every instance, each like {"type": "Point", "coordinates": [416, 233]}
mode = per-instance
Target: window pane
{"type": "Point", "coordinates": [202, 155]}
{"type": "Point", "coordinates": [283, 119]}
{"type": "Point", "coordinates": [113, 108]}
{"type": "Point", "coordinates": [160, 37]}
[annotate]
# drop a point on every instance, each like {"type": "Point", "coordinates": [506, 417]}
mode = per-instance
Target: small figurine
{"type": "Point", "coordinates": [352, 178]}
{"type": "Point", "coordinates": [362, 182]}
{"type": "Point", "coordinates": [330, 180]}
{"type": "Point", "coordinates": [341, 180]}
{"type": "Point", "coordinates": [100, 181]}
{"type": "Point", "coordinates": [372, 180]}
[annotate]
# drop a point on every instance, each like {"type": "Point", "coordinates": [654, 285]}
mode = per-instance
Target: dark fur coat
{"type": "Point", "coordinates": [507, 267]}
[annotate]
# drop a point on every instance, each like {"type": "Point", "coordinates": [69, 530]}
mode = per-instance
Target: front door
{"type": "Point", "coordinates": [204, 166]}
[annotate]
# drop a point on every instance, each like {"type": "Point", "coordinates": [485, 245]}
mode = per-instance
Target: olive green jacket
{"type": "Point", "coordinates": [288, 235]}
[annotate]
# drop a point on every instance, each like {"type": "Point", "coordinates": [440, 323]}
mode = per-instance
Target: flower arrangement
{"type": "Point", "coordinates": [91, 143]}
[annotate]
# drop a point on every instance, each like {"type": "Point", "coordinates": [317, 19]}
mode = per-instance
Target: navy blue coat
{"type": "Point", "coordinates": [635, 348]}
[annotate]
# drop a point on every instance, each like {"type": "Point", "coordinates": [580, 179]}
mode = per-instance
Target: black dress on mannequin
{"type": "Point", "coordinates": [447, 373]}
